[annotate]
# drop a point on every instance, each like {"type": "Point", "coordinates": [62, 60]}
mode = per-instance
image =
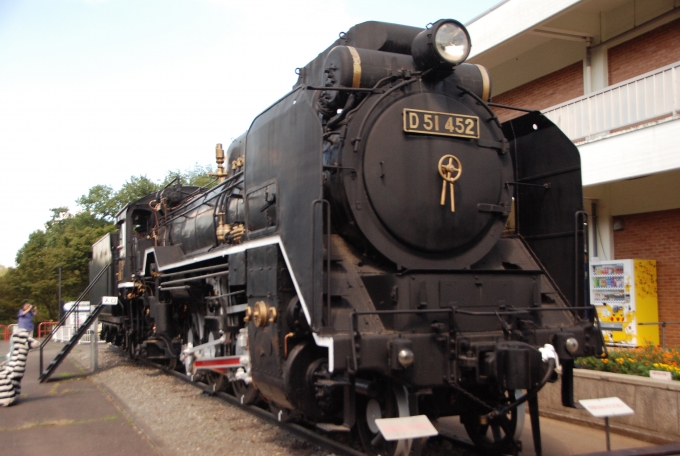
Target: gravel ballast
{"type": "Point", "coordinates": [182, 420]}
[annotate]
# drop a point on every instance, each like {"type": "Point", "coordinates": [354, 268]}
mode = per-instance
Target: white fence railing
{"type": "Point", "coordinates": [648, 97]}
{"type": "Point", "coordinates": [65, 332]}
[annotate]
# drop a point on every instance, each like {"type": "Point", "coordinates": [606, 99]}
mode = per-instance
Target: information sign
{"type": "Point", "coordinates": [606, 407]}
{"type": "Point", "coordinates": [660, 375]}
{"type": "Point", "coordinates": [109, 300]}
{"type": "Point", "coordinates": [409, 427]}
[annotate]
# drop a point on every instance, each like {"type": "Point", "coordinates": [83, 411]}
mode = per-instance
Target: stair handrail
{"type": "Point", "coordinates": [81, 331]}
{"type": "Point", "coordinates": [68, 314]}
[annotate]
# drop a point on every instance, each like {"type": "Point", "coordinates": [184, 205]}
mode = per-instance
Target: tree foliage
{"type": "Point", "coordinates": [197, 176]}
{"type": "Point", "coordinates": [67, 241]}
{"type": "Point", "coordinates": [104, 203]}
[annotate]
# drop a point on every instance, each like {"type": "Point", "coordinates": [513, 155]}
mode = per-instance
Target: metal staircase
{"type": "Point", "coordinates": [82, 330]}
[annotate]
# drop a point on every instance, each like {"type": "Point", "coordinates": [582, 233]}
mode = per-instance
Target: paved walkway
{"type": "Point", "coordinates": [72, 416]}
{"type": "Point", "coordinates": [557, 438]}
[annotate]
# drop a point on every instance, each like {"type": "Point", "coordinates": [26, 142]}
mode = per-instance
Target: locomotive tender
{"type": "Point", "coordinates": [378, 246]}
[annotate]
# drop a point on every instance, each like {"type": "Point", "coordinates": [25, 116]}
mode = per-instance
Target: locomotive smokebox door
{"type": "Point", "coordinates": [421, 161]}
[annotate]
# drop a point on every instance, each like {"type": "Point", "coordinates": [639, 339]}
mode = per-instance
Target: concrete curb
{"type": "Point", "coordinates": [656, 404]}
{"type": "Point", "coordinates": [616, 428]}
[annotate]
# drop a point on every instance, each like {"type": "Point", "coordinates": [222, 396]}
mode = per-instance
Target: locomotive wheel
{"type": "Point", "coordinates": [191, 340]}
{"type": "Point", "coordinates": [246, 394]}
{"type": "Point", "coordinates": [283, 415]}
{"type": "Point", "coordinates": [132, 347]}
{"type": "Point", "coordinates": [171, 364]}
{"type": "Point", "coordinates": [391, 403]}
{"type": "Point", "coordinates": [216, 381]}
{"type": "Point", "coordinates": [496, 436]}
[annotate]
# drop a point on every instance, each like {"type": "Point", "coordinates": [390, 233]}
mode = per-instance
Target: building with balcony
{"type": "Point", "coordinates": [608, 73]}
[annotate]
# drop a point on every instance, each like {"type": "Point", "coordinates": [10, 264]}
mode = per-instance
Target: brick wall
{"type": "Point", "coordinates": [549, 90]}
{"type": "Point", "coordinates": [656, 236]}
{"type": "Point", "coordinates": [645, 53]}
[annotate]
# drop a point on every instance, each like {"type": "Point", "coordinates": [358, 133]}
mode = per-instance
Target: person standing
{"type": "Point", "coordinates": [25, 321]}
{"type": "Point", "coordinates": [12, 373]}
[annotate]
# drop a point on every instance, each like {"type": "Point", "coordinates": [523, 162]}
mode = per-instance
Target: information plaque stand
{"type": "Point", "coordinates": [604, 408]}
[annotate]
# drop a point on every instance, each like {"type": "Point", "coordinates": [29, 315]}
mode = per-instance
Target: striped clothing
{"type": "Point", "coordinates": [12, 372]}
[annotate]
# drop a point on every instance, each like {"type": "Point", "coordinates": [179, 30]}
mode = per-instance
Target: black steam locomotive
{"type": "Point", "coordinates": [378, 247]}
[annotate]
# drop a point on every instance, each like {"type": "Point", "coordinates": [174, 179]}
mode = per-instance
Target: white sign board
{"type": "Point", "coordinates": [606, 407]}
{"type": "Point", "coordinates": [409, 427]}
{"type": "Point", "coordinates": [109, 300]}
{"type": "Point", "coordinates": [660, 375]}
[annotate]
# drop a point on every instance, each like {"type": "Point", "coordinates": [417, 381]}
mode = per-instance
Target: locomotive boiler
{"type": "Point", "coordinates": [377, 246]}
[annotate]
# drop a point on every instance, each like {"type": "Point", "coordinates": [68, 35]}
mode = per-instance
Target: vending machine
{"type": "Point", "coordinates": [625, 294]}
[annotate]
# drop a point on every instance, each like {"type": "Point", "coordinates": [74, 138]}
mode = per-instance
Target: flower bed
{"type": "Point", "coordinates": [636, 361]}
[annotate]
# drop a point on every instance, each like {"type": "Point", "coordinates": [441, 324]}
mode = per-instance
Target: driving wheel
{"type": "Point", "coordinates": [390, 403]}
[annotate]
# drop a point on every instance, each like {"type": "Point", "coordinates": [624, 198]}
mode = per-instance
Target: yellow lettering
{"type": "Point", "coordinates": [427, 122]}
{"type": "Point", "coordinates": [449, 124]}
{"type": "Point", "coordinates": [413, 120]}
{"type": "Point", "coordinates": [459, 125]}
{"type": "Point", "coordinates": [470, 127]}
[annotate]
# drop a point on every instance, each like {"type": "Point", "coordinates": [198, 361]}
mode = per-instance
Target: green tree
{"type": "Point", "coordinates": [67, 241]}
{"type": "Point", "coordinates": [198, 176]}
{"type": "Point", "coordinates": [99, 202]}
{"type": "Point", "coordinates": [104, 203]}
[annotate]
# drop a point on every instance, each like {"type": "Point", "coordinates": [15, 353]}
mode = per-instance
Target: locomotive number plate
{"type": "Point", "coordinates": [440, 123]}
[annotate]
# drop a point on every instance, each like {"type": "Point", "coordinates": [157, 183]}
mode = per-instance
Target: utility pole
{"type": "Point", "coordinates": [59, 306]}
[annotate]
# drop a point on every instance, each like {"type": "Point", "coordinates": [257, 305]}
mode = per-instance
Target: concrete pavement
{"type": "Point", "coordinates": [71, 416]}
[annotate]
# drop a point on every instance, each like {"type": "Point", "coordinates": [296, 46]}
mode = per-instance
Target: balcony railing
{"type": "Point", "coordinates": [647, 98]}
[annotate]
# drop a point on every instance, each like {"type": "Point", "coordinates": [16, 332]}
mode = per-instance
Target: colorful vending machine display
{"type": "Point", "coordinates": [625, 294]}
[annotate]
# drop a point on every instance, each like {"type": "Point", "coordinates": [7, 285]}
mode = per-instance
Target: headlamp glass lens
{"type": "Point", "coordinates": [452, 43]}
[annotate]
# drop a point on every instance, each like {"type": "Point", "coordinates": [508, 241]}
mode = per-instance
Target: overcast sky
{"type": "Point", "coordinates": [95, 91]}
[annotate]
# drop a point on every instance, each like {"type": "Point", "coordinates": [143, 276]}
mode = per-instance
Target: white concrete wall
{"type": "Point", "coordinates": [633, 154]}
{"type": "Point", "coordinates": [511, 19]}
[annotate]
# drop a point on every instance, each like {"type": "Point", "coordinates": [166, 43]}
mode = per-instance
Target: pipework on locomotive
{"type": "Point", "coordinates": [378, 246]}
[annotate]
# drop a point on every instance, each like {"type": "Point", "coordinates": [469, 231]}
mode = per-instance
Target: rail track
{"type": "Point", "coordinates": [462, 447]}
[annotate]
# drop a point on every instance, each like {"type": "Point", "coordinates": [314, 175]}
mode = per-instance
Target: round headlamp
{"type": "Point", "coordinates": [445, 44]}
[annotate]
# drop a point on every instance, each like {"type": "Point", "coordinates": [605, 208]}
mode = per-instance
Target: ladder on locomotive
{"type": "Point", "coordinates": [79, 333]}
